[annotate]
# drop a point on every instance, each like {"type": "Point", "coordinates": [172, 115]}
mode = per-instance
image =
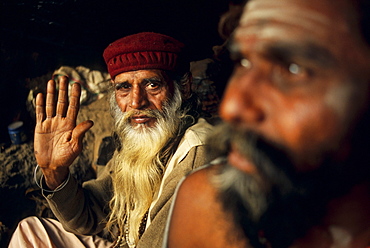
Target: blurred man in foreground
{"type": "Point", "coordinates": [296, 170]}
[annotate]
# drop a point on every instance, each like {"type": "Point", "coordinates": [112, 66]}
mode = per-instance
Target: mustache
{"type": "Point", "coordinates": [125, 117]}
{"type": "Point", "coordinates": [147, 112]}
{"type": "Point", "coordinates": [283, 194]}
{"type": "Point", "coordinates": [270, 159]}
{"type": "Point", "coordinates": [253, 198]}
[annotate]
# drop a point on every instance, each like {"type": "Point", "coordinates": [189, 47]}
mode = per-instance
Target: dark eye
{"type": "Point", "coordinates": [245, 63]}
{"type": "Point", "coordinates": [122, 86]}
{"type": "Point", "coordinates": [298, 70]}
{"type": "Point", "coordinates": [291, 74]}
{"type": "Point", "coordinates": [153, 85]}
{"type": "Point", "coordinates": [240, 60]}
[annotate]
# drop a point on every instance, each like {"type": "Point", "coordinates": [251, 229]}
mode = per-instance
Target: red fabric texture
{"type": "Point", "coordinates": [146, 50]}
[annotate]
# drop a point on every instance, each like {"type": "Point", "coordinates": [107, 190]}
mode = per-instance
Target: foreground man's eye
{"type": "Point", "coordinates": [291, 74]}
{"type": "Point", "coordinates": [299, 72]}
{"type": "Point", "coordinates": [246, 63]}
{"type": "Point", "coordinates": [295, 69]}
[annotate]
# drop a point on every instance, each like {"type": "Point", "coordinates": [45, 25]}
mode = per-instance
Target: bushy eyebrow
{"type": "Point", "coordinates": [153, 80]}
{"type": "Point", "coordinates": [287, 52]}
{"type": "Point", "coordinates": [119, 85]}
{"type": "Point", "coordinates": [309, 52]}
{"type": "Point", "coordinates": [144, 80]}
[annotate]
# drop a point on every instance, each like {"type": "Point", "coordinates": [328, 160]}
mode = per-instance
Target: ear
{"type": "Point", "coordinates": [186, 88]}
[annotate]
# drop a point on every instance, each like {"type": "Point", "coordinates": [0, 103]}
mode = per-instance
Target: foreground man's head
{"type": "Point", "coordinates": [296, 132]}
{"type": "Point", "coordinates": [298, 110]}
{"type": "Point", "coordinates": [302, 78]}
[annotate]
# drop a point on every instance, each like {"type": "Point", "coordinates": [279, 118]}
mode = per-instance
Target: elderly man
{"type": "Point", "coordinates": [296, 136]}
{"type": "Point", "coordinates": [160, 135]}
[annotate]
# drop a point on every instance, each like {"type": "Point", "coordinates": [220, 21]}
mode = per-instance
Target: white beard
{"type": "Point", "coordinates": [138, 169]}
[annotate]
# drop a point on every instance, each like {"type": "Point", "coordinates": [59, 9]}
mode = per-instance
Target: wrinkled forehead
{"type": "Point", "coordinates": [318, 18]}
{"type": "Point", "coordinates": [331, 25]}
{"type": "Point", "coordinates": [141, 75]}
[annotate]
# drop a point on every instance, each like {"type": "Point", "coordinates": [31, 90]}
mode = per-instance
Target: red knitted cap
{"type": "Point", "coordinates": [140, 51]}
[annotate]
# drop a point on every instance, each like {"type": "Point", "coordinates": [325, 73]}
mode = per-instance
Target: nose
{"type": "Point", "coordinates": [240, 104]}
{"type": "Point", "coordinates": [139, 98]}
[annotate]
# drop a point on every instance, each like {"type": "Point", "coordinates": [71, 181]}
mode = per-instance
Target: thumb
{"type": "Point", "coordinates": [80, 130]}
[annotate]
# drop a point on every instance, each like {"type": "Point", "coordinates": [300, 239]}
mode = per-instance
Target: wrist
{"type": "Point", "coordinates": [51, 188]}
{"type": "Point", "coordinates": [54, 178]}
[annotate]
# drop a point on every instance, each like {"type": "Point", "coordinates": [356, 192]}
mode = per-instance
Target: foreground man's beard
{"type": "Point", "coordinates": [277, 203]}
{"type": "Point", "coordinates": [138, 165]}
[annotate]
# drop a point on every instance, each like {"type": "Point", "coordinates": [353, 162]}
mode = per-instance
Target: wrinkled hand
{"type": "Point", "coordinates": [58, 141]}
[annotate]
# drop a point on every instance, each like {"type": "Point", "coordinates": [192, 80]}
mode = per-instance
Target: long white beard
{"type": "Point", "coordinates": [138, 170]}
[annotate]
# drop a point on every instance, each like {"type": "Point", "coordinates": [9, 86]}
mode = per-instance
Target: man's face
{"type": "Point", "coordinates": [301, 79]}
{"type": "Point", "coordinates": [142, 90]}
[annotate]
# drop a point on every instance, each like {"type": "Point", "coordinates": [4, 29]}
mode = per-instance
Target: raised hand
{"type": "Point", "coordinates": [58, 141]}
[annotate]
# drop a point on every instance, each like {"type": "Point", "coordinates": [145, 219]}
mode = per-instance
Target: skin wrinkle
{"type": "Point", "coordinates": [251, 31]}
{"type": "Point", "coordinates": [306, 52]}
{"type": "Point", "coordinates": [119, 85]}
{"type": "Point", "coordinates": [301, 110]}
{"type": "Point", "coordinates": [138, 94]}
{"type": "Point", "coordinates": [315, 61]}
{"type": "Point", "coordinates": [270, 28]}
{"type": "Point", "coordinates": [285, 52]}
{"type": "Point", "coordinates": [310, 19]}
{"type": "Point", "coordinates": [316, 117]}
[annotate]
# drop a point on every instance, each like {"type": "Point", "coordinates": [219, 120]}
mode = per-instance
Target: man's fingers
{"type": "Point", "coordinates": [62, 103]}
{"type": "Point", "coordinates": [50, 96]}
{"type": "Point", "coordinates": [81, 129]}
{"type": "Point", "coordinates": [40, 108]}
{"type": "Point", "coordinates": [74, 102]}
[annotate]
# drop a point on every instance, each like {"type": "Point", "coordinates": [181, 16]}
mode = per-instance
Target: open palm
{"type": "Point", "coordinates": [58, 141]}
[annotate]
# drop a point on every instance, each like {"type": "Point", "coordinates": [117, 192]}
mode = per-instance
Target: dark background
{"type": "Point", "coordinates": [83, 28]}
{"type": "Point", "coordinates": [38, 36]}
